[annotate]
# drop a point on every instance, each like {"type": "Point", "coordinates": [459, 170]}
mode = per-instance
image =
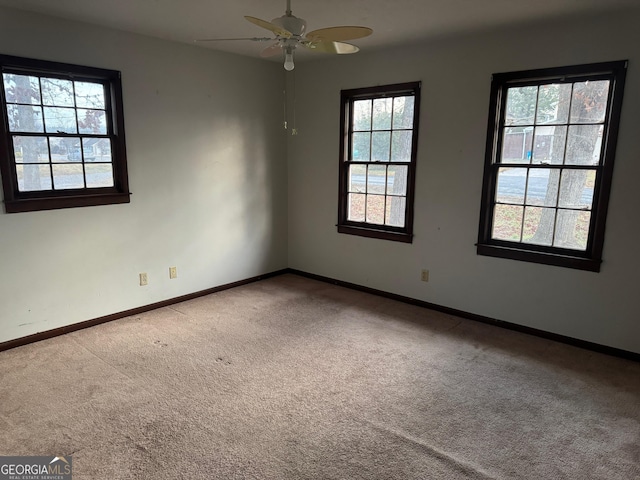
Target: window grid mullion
{"type": "Point", "coordinates": [62, 135]}
{"type": "Point", "coordinates": [555, 226]}
{"type": "Point", "coordinates": [50, 162]}
{"type": "Point", "coordinates": [41, 103]}
{"type": "Point", "coordinates": [75, 106]}
{"type": "Point", "coordinates": [84, 170]}
{"type": "Point", "coordinates": [386, 186]}
{"type": "Point", "coordinates": [393, 104]}
{"type": "Point", "coordinates": [542, 166]}
{"type": "Point", "coordinates": [566, 142]}
{"type": "Point", "coordinates": [366, 192]}
{"type": "Point", "coordinates": [524, 203]}
{"type": "Point", "coordinates": [380, 162]}
{"type": "Point", "coordinates": [535, 111]}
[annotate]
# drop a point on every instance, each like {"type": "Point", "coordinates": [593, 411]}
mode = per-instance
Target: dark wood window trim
{"type": "Point", "coordinates": [591, 258]}
{"type": "Point", "coordinates": [24, 201]}
{"type": "Point", "coordinates": [362, 228]}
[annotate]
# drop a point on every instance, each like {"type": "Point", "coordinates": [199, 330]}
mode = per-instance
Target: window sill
{"type": "Point", "coordinates": [53, 203]}
{"type": "Point", "coordinates": [373, 233]}
{"type": "Point", "coordinates": [556, 259]}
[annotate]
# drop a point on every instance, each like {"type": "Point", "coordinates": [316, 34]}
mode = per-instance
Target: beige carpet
{"type": "Point", "coordinates": [290, 378]}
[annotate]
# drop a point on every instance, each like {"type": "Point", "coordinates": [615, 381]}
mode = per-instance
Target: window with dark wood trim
{"type": "Point", "coordinates": [551, 143]}
{"type": "Point", "coordinates": [62, 136]}
{"type": "Point", "coordinates": [378, 140]}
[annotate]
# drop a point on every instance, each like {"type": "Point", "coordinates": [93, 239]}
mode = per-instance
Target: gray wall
{"type": "Point", "coordinates": [219, 192]}
{"type": "Point", "coordinates": [207, 169]}
{"type": "Point", "coordinates": [456, 74]}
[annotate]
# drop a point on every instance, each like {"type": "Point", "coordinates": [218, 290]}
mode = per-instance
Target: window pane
{"type": "Point", "coordinates": [397, 180]}
{"type": "Point", "coordinates": [74, 154]}
{"type": "Point", "coordinates": [99, 175]}
{"type": "Point", "coordinates": [375, 209]}
{"type": "Point", "coordinates": [521, 105]}
{"type": "Point", "coordinates": [553, 103]}
{"type": "Point", "coordinates": [33, 177]}
{"type": "Point", "coordinates": [516, 145]}
{"type": "Point", "coordinates": [356, 207]}
{"type": "Point", "coordinates": [96, 149]}
{"type": "Point", "coordinates": [589, 103]}
{"type": "Point", "coordinates": [382, 111]}
{"type": "Point", "coordinates": [542, 187]}
{"type": "Point", "coordinates": [25, 118]}
{"type": "Point", "coordinates": [60, 120]}
{"type": "Point", "coordinates": [511, 185]}
{"type": "Point", "coordinates": [89, 95]}
{"type": "Point", "coordinates": [357, 178]}
{"type": "Point", "coordinates": [57, 92]}
{"type": "Point", "coordinates": [538, 225]}
{"type": "Point", "coordinates": [396, 208]}
{"type": "Point", "coordinates": [30, 149]}
{"type": "Point", "coordinates": [401, 146]}
{"type": "Point", "coordinates": [21, 89]}
{"type": "Point", "coordinates": [574, 191]}
{"type": "Point", "coordinates": [65, 149]}
{"type": "Point", "coordinates": [507, 222]}
{"type": "Point", "coordinates": [68, 176]}
{"type": "Point", "coordinates": [92, 121]}
{"type": "Point", "coordinates": [362, 115]}
{"type": "Point", "coordinates": [572, 229]}
{"type": "Point", "coordinates": [360, 149]}
{"type": "Point", "coordinates": [548, 145]}
{"type": "Point", "coordinates": [584, 144]}
{"type": "Point", "coordinates": [403, 112]}
{"type": "Point", "coordinates": [376, 178]}
{"type": "Point", "coordinates": [380, 146]}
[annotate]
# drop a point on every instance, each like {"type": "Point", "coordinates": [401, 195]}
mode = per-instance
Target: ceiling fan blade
{"type": "Point", "coordinates": [252, 39]}
{"type": "Point", "coordinates": [281, 32]}
{"type": "Point", "coordinates": [339, 34]}
{"type": "Point", "coordinates": [340, 48]}
{"type": "Point", "coordinates": [271, 51]}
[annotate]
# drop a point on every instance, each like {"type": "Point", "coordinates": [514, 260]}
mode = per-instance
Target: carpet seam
{"type": "Point", "coordinates": [134, 381]}
{"type": "Point", "coordinates": [464, 467]}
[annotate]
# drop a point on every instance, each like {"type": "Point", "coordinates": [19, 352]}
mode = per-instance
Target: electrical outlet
{"type": "Point", "coordinates": [173, 272]}
{"type": "Point", "coordinates": [143, 279]}
{"type": "Point", "coordinates": [424, 276]}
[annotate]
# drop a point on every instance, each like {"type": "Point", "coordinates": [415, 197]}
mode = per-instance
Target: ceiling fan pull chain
{"type": "Point", "coordinates": [284, 105]}
{"type": "Point", "coordinates": [294, 130]}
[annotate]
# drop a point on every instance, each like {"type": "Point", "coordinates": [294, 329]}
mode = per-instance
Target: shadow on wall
{"type": "Point", "coordinates": [244, 173]}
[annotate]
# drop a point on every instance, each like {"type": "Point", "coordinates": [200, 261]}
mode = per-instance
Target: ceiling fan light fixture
{"type": "Point", "coordinates": [288, 59]}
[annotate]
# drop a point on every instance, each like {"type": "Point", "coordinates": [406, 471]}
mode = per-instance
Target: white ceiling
{"type": "Point", "coordinates": [394, 21]}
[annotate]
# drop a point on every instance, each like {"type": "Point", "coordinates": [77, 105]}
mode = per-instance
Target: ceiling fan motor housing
{"type": "Point", "coordinates": [295, 25]}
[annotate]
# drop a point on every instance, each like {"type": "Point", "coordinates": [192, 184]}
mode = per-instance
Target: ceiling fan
{"type": "Point", "coordinates": [289, 33]}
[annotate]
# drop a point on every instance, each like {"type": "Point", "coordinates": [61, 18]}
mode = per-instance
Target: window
{"type": "Point", "coordinates": [550, 149]}
{"type": "Point", "coordinates": [62, 136]}
{"type": "Point", "coordinates": [379, 135]}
